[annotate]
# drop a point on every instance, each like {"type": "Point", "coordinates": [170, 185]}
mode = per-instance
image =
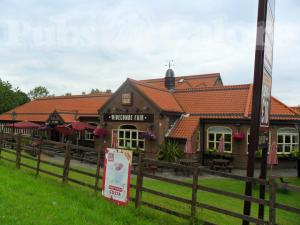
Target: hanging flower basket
{"type": "Point", "coordinates": [100, 132]}
{"type": "Point", "coordinates": [238, 136]}
{"type": "Point", "coordinates": [148, 135]}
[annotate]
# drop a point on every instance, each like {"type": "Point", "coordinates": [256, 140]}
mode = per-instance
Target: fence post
{"type": "Point", "coordinates": [98, 169]}
{"type": "Point", "coordinates": [67, 161]}
{"type": "Point", "coordinates": [272, 207]}
{"type": "Point", "coordinates": [194, 192]}
{"type": "Point", "coordinates": [39, 158]}
{"type": "Point", "coordinates": [139, 182]}
{"type": "Point", "coordinates": [18, 150]}
{"type": "Point", "coordinates": [1, 141]}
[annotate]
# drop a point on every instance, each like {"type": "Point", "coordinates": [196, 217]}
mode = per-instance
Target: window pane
{"type": "Point", "coordinates": [280, 139]}
{"type": "Point", "coordinates": [287, 139]}
{"type": "Point", "coordinates": [279, 148]}
{"type": "Point", "coordinates": [211, 137]}
{"type": "Point", "coordinates": [127, 134]}
{"type": "Point", "coordinates": [121, 143]}
{"type": "Point", "coordinates": [127, 144]}
{"type": "Point", "coordinates": [211, 145]}
{"type": "Point", "coordinates": [295, 139]}
{"type": "Point", "coordinates": [218, 136]}
{"type": "Point", "coordinates": [134, 135]}
{"type": "Point", "coordinates": [287, 148]}
{"type": "Point", "coordinates": [227, 147]}
{"type": "Point", "coordinates": [141, 145]}
{"type": "Point", "coordinates": [228, 137]}
{"type": "Point", "coordinates": [121, 134]}
{"type": "Point", "coordinates": [133, 144]}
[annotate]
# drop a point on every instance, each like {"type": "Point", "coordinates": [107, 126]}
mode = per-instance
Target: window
{"type": "Point", "coordinates": [128, 137]}
{"type": "Point", "coordinates": [88, 135]}
{"type": "Point", "coordinates": [213, 138]}
{"type": "Point", "coordinates": [248, 139]}
{"type": "Point", "coordinates": [287, 140]}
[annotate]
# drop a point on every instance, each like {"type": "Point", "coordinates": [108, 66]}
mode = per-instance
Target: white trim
{"type": "Point", "coordinates": [224, 132]}
{"type": "Point", "coordinates": [287, 132]}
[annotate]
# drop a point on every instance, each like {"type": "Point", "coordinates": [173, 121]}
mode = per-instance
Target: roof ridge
{"type": "Point", "coordinates": [226, 88]}
{"type": "Point", "coordinates": [74, 96]}
{"type": "Point", "coordinates": [185, 76]}
{"type": "Point", "coordinates": [248, 102]}
{"type": "Point", "coordinates": [148, 85]}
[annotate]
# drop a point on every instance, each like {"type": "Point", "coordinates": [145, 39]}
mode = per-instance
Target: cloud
{"type": "Point", "coordinates": [74, 46]}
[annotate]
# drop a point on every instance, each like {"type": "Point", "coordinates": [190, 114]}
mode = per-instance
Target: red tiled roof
{"type": "Point", "coordinates": [67, 107]}
{"type": "Point", "coordinates": [185, 82]}
{"type": "Point", "coordinates": [296, 108]}
{"type": "Point", "coordinates": [216, 100]}
{"type": "Point", "coordinates": [185, 127]}
{"type": "Point", "coordinates": [161, 98]}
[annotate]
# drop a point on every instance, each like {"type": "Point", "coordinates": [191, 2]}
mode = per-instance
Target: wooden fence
{"type": "Point", "coordinates": [16, 145]}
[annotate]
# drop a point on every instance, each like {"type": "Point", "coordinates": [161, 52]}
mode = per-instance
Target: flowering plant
{"type": "Point", "coordinates": [148, 135]}
{"type": "Point", "coordinates": [100, 132]}
{"type": "Point", "coordinates": [238, 136]}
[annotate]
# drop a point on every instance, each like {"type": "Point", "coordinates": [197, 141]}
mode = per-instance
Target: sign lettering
{"type": "Point", "coordinates": [108, 117]}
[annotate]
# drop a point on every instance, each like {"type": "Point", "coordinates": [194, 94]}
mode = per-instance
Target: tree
{"type": "Point", "coordinates": [68, 94]}
{"type": "Point", "coordinates": [10, 97]}
{"type": "Point", "coordinates": [97, 91]}
{"type": "Point", "coordinates": [38, 92]}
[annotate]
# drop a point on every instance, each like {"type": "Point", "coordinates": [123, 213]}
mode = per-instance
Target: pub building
{"type": "Point", "coordinates": [145, 114]}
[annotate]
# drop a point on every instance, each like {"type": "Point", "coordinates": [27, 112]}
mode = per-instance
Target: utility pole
{"type": "Point", "coordinates": [261, 99]}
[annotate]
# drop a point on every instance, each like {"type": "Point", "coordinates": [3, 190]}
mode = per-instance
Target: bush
{"type": "Point", "coordinates": [169, 152]}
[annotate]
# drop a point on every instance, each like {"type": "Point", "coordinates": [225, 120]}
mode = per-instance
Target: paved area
{"type": "Point", "coordinates": [170, 173]}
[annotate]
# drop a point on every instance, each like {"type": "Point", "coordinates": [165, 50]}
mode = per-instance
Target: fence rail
{"type": "Point", "coordinates": [16, 146]}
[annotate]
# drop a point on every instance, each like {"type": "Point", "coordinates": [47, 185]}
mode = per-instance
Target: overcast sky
{"type": "Point", "coordinates": [74, 46]}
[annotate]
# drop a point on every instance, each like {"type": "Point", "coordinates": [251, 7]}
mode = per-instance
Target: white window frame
{"type": "Point", "coordinates": [89, 136]}
{"type": "Point", "coordinates": [291, 132]}
{"type": "Point", "coordinates": [130, 139]}
{"type": "Point", "coordinates": [248, 139]}
{"type": "Point", "coordinates": [216, 142]}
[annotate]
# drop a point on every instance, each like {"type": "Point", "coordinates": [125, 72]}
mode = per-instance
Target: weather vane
{"type": "Point", "coordinates": [170, 63]}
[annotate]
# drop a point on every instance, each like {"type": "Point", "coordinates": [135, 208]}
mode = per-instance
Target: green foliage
{"type": "Point", "coordinates": [258, 153]}
{"type": "Point", "coordinates": [169, 152]}
{"type": "Point", "coordinates": [295, 153]}
{"type": "Point", "coordinates": [38, 92]}
{"type": "Point", "coordinates": [10, 97]}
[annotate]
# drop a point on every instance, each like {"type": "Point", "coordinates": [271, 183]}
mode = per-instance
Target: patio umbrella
{"type": "Point", "coordinates": [221, 146]}
{"type": "Point", "coordinates": [63, 129]}
{"type": "Point", "coordinates": [188, 146]}
{"type": "Point", "coordinates": [272, 157]}
{"type": "Point", "coordinates": [80, 126]}
{"type": "Point", "coordinates": [100, 132]}
{"type": "Point", "coordinates": [24, 125]}
{"type": "Point", "coordinates": [114, 141]}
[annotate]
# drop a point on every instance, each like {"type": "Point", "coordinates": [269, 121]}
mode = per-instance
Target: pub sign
{"type": "Point", "coordinates": [128, 117]}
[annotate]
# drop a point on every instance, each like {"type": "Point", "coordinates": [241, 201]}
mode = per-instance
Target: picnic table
{"type": "Point", "coordinates": [221, 164]}
{"type": "Point", "coordinates": [186, 162]}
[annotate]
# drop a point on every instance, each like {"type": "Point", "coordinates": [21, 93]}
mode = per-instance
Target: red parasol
{"type": "Point", "coordinates": [24, 125]}
{"type": "Point", "coordinates": [188, 146]}
{"type": "Point", "coordinates": [80, 126]}
{"type": "Point", "coordinates": [63, 129]}
{"type": "Point", "coordinates": [221, 146]}
{"type": "Point", "coordinates": [272, 157]}
{"type": "Point", "coordinates": [114, 140]}
{"type": "Point", "coordinates": [100, 132]}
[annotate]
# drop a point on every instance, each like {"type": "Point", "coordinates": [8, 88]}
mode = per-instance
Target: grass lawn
{"type": "Point", "coordinates": [25, 199]}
